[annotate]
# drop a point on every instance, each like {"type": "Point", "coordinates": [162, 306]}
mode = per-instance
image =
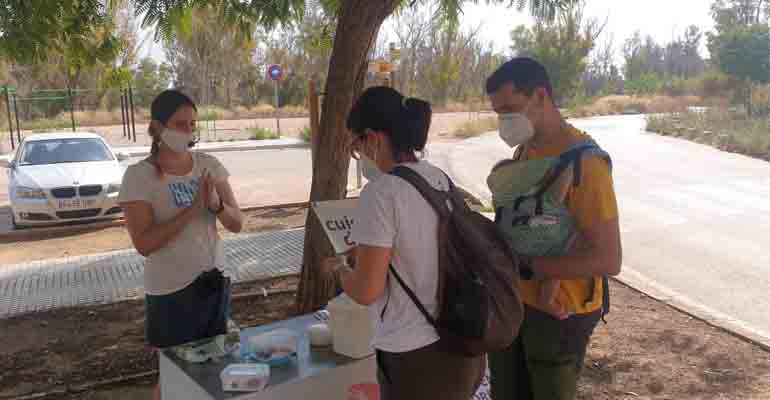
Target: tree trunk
{"type": "Point", "coordinates": [357, 28]}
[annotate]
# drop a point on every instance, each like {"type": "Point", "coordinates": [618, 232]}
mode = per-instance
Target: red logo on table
{"type": "Point", "coordinates": [364, 391]}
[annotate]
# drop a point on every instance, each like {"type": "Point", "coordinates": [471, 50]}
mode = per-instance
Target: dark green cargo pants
{"type": "Point", "coordinates": [545, 360]}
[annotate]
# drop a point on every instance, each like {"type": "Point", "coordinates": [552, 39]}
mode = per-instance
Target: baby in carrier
{"type": "Point", "coordinates": [529, 197]}
{"type": "Point", "coordinates": [548, 289]}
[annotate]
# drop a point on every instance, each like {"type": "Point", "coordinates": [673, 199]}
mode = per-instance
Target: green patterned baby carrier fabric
{"type": "Point", "coordinates": [528, 197]}
{"type": "Point", "coordinates": [532, 228]}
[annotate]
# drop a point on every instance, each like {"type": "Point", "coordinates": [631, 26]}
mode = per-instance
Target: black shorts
{"type": "Point", "coordinates": [196, 312]}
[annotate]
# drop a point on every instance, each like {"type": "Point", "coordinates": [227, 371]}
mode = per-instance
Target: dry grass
{"type": "Point", "coordinates": [614, 105]}
{"type": "Point", "coordinates": [93, 118]}
{"type": "Point", "coordinates": [476, 105]}
{"type": "Point", "coordinates": [722, 129]}
{"type": "Point", "coordinates": [475, 127]}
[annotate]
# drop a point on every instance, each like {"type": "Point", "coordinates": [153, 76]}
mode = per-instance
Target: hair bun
{"type": "Point", "coordinates": [418, 119]}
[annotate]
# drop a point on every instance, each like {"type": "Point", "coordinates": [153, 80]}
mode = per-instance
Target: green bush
{"type": "Point", "coordinates": [258, 133]}
{"type": "Point", "coordinates": [646, 84]}
{"type": "Point", "coordinates": [723, 129]}
{"type": "Point", "coordinates": [714, 84]}
{"type": "Point", "coordinates": [580, 100]}
{"type": "Point", "coordinates": [304, 134]}
{"type": "Point", "coordinates": [760, 100]}
{"type": "Point", "coordinates": [677, 87]}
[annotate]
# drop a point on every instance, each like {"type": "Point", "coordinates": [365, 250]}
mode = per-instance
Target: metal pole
{"type": "Point", "coordinates": [72, 108]}
{"type": "Point", "coordinates": [10, 121]}
{"type": "Point", "coordinates": [313, 104]}
{"type": "Point", "coordinates": [133, 117]}
{"type": "Point", "coordinates": [277, 115]}
{"type": "Point", "coordinates": [123, 112]}
{"type": "Point", "coordinates": [16, 112]}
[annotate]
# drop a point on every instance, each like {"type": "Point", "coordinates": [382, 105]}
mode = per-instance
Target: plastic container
{"type": "Point", "coordinates": [274, 348]}
{"type": "Point", "coordinates": [245, 377]}
{"type": "Point", "coordinates": [350, 326]}
{"type": "Point", "coordinates": [320, 335]}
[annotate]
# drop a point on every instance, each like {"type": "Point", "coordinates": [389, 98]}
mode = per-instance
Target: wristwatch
{"type": "Point", "coordinates": [525, 268]}
{"type": "Point", "coordinates": [219, 209]}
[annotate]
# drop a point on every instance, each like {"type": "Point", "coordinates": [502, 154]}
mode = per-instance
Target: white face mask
{"type": "Point", "coordinates": [177, 141]}
{"type": "Point", "coordinates": [515, 128]}
{"type": "Point", "coordinates": [369, 168]}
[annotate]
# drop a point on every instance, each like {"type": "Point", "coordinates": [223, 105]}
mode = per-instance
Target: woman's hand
{"type": "Point", "coordinates": [204, 192]}
{"type": "Point", "coordinates": [330, 265]}
{"type": "Point", "coordinates": [225, 206]}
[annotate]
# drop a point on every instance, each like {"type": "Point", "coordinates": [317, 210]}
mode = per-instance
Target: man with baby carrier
{"type": "Point", "coordinates": [554, 200]}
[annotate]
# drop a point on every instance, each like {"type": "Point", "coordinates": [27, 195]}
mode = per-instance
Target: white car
{"type": "Point", "coordinates": [63, 177]}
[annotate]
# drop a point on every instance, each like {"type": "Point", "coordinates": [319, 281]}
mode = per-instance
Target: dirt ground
{"type": "Point", "coordinates": [64, 351]}
{"type": "Point", "coordinates": [646, 351]}
{"type": "Point", "coordinates": [116, 238]}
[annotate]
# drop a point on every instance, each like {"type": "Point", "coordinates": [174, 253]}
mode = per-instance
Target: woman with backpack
{"type": "Point", "coordinates": [397, 227]}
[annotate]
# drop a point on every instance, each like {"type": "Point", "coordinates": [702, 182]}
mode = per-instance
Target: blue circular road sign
{"type": "Point", "coordinates": [275, 72]}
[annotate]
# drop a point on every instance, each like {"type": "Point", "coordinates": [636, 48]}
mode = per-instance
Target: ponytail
{"type": "Point", "coordinates": [416, 124]}
{"type": "Point", "coordinates": [405, 120]}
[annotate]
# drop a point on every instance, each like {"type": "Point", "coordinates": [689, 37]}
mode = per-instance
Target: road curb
{"type": "Point", "coordinates": [737, 328]}
{"type": "Point", "coordinates": [221, 148]}
{"type": "Point", "coordinates": [225, 149]}
{"type": "Point", "coordinates": [37, 233]}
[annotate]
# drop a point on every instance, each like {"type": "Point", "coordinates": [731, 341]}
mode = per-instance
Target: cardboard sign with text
{"type": "Point", "coordinates": [337, 219]}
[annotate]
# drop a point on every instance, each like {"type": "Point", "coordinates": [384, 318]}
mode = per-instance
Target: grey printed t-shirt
{"type": "Point", "coordinates": [198, 247]}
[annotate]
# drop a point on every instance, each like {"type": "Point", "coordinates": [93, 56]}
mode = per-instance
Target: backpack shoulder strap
{"type": "Point", "coordinates": [578, 150]}
{"type": "Point", "coordinates": [574, 155]}
{"type": "Point", "coordinates": [571, 157]}
{"type": "Point", "coordinates": [436, 198]}
{"type": "Point", "coordinates": [413, 297]}
{"type": "Point", "coordinates": [438, 201]}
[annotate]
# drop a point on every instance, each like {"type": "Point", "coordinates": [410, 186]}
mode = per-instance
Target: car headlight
{"type": "Point", "coordinates": [24, 192]}
{"type": "Point", "coordinates": [113, 188]}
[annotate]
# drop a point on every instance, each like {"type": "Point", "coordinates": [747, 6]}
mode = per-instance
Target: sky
{"type": "Point", "coordinates": [661, 19]}
{"type": "Point", "coordinates": [664, 20]}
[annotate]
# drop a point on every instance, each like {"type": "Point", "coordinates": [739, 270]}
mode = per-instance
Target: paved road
{"type": "Point", "coordinates": [694, 219]}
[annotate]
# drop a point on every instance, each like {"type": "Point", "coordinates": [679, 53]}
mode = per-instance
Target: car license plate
{"type": "Point", "coordinates": [75, 204]}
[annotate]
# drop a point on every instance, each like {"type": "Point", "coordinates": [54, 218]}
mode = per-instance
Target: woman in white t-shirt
{"type": "Point", "coordinates": [396, 226]}
{"type": "Point", "coordinates": [172, 201]}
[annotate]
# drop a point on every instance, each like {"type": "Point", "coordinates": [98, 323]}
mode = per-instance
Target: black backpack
{"type": "Point", "coordinates": [480, 308]}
